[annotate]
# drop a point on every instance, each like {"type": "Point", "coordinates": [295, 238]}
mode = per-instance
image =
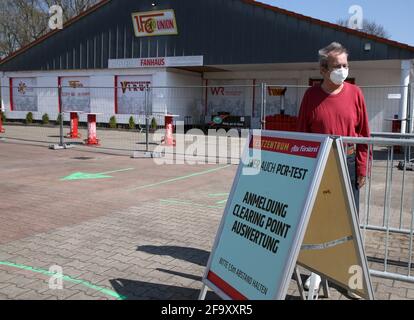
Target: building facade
{"type": "Point", "coordinates": [199, 59]}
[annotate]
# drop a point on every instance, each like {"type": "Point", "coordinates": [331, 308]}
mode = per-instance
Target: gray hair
{"type": "Point", "coordinates": [324, 53]}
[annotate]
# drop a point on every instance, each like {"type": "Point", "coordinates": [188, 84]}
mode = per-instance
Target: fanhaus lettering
{"type": "Point", "coordinates": [153, 62]}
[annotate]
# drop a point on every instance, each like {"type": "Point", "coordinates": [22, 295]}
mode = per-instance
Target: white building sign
{"type": "Point", "coordinates": [160, 62]}
{"type": "Point", "coordinates": [130, 94]}
{"type": "Point", "coordinates": [75, 94]}
{"type": "Point", "coordinates": [226, 96]}
{"type": "Point", "coordinates": [24, 94]}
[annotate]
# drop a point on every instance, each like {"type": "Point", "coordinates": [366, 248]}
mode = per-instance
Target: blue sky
{"type": "Point", "coordinates": [397, 16]}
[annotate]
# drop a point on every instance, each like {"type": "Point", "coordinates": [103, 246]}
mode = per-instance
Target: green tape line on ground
{"type": "Point", "coordinates": [179, 178]}
{"type": "Point", "coordinates": [187, 203]}
{"type": "Point", "coordinates": [215, 195]}
{"type": "Point", "coordinates": [218, 195]}
{"type": "Point", "coordinates": [91, 176]}
{"type": "Point", "coordinates": [65, 278]}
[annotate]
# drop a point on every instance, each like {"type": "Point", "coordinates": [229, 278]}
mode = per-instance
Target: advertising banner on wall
{"type": "Point", "coordinates": [24, 94]}
{"type": "Point", "coordinates": [279, 96]}
{"type": "Point", "coordinates": [130, 94]}
{"type": "Point", "coordinates": [75, 94]}
{"type": "Point", "coordinates": [224, 96]}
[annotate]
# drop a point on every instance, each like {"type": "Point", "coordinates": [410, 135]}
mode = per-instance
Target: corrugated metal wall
{"type": "Point", "coordinates": [223, 31]}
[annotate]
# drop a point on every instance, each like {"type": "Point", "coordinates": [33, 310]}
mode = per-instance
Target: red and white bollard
{"type": "Point", "coordinates": [74, 121]}
{"type": "Point", "coordinates": [168, 139]}
{"type": "Point", "coordinates": [92, 140]}
{"type": "Point", "coordinates": [1, 124]}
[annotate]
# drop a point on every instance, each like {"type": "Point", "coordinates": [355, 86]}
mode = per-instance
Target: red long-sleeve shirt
{"type": "Point", "coordinates": [343, 114]}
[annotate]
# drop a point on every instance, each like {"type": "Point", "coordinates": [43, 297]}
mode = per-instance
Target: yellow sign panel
{"type": "Point", "coordinates": [332, 245]}
{"type": "Point", "coordinates": [154, 23]}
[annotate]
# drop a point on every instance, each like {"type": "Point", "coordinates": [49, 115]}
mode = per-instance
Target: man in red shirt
{"type": "Point", "coordinates": [338, 108]}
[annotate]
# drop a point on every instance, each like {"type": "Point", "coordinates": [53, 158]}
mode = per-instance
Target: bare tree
{"type": "Point", "coordinates": [23, 21]}
{"type": "Point", "coordinates": [370, 27]}
{"type": "Point", "coordinates": [71, 8]}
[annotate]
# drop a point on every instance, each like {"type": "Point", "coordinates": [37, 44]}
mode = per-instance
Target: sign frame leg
{"type": "Point", "coordinates": [299, 282]}
{"type": "Point", "coordinates": [325, 288]}
{"type": "Point", "coordinates": [203, 293]}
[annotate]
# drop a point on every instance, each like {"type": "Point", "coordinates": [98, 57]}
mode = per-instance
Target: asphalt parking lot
{"type": "Point", "coordinates": [116, 227]}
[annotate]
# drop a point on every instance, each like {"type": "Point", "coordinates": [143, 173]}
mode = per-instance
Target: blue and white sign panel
{"type": "Point", "coordinates": [266, 215]}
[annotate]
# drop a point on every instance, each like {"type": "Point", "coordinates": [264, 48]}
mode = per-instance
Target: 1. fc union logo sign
{"type": "Point", "coordinates": [154, 23]}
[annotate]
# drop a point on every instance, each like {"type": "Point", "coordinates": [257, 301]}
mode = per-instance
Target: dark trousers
{"type": "Point", "coordinates": [352, 169]}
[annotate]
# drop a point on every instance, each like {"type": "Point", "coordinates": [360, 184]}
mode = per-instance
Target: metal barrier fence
{"type": "Point", "coordinates": [220, 105]}
{"type": "Point", "coordinates": [34, 116]}
{"type": "Point", "coordinates": [384, 104]}
{"type": "Point", "coordinates": [387, 205]}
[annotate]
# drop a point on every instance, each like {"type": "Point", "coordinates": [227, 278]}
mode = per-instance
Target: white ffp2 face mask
{"type": "Point", "coordinates": [338, 76]}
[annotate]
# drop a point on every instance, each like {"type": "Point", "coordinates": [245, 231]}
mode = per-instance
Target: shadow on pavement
{"type": "Point", "coordinates": [139, 290]}
{"type": "Point", "coordinates": [180, 274]}
{"type": "Point", "coordinates": [193, 255]}
{"type": "Point", "coordinates": [144, 290]}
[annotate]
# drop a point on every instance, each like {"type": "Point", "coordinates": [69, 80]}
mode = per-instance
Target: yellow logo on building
{"type": "Point", "coordinates": [22, 88]}
{"type": "Point", "coordinates": [154, 23]}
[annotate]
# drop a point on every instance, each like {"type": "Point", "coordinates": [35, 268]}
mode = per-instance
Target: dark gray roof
{"type": "Point", "coordinates": [223, 31]}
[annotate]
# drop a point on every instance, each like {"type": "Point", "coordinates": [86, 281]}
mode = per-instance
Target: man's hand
{"type": "Point", "coordinates": [361, 182]}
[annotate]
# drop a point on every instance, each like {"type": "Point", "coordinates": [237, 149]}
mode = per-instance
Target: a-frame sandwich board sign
{"type": "Point", "coordinates": [270, 207]}
{"type": "Point", "coordinates": [332, 246]}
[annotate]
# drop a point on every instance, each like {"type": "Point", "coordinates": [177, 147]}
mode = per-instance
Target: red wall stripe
{"type": "Point", "coordinates": [205, 106]}
{"type": "Point", "coordinates": [11, 93]}
{"type": "Point", "coordinates": [254, 97]}
{"type": "Point", "coordinates": [59, 94]}
{"type": "Point", "coordinates": [116, 94]}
